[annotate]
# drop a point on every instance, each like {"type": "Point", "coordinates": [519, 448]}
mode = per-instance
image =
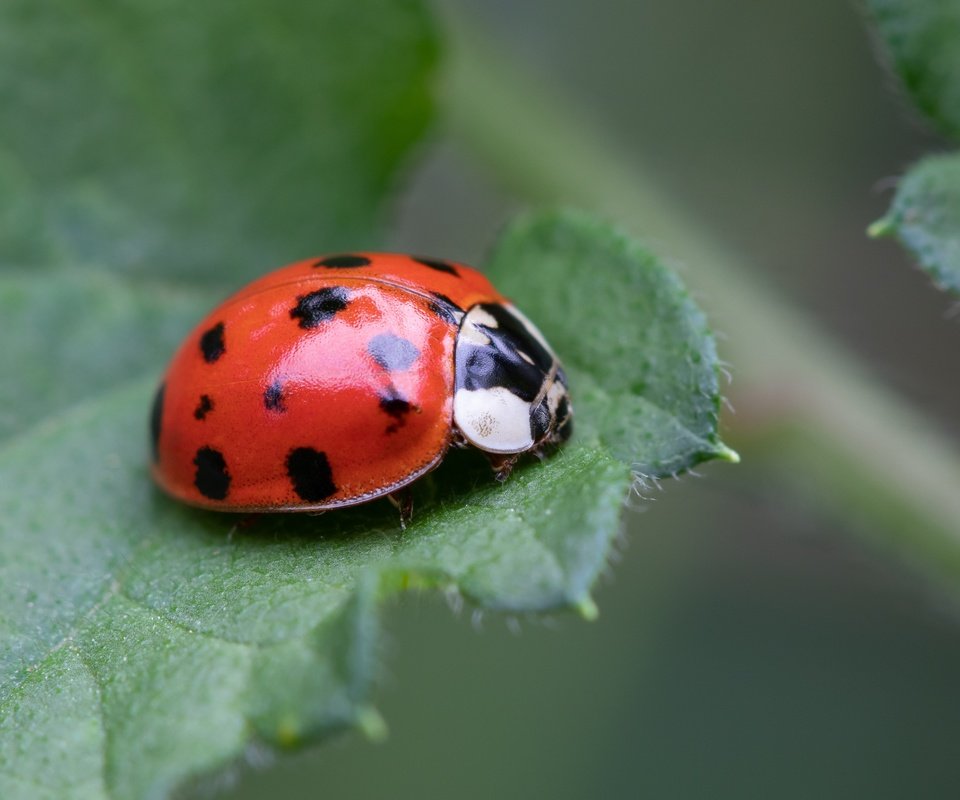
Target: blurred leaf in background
{"type": "Point", "coordinates": [921, 39]}
{"type": "Point", "coordinates": [258, 133]}
{"type": "Point", "coordinates": [925, 218]}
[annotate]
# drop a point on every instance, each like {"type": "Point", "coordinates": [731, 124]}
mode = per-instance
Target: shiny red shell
{"type": "Point", "coordinates": [326, 383]}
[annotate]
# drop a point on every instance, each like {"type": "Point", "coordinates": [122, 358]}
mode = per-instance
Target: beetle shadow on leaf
{"type": "Point", "coordinates": [461, 474]}
{"type": "Point", "coordinates": [264, 528]}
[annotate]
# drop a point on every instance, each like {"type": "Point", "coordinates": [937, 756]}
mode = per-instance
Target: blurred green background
{"type": "Point", "coordinates": [748, 644]}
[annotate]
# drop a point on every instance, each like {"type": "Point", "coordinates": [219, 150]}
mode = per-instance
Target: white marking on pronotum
{"type": "Point", "coordinates": [494, 419]}
{"type": "Point", "coordinates": [556, 391]}
{"type": "Point", "coordinates": [478, 316]}
{"type": "Point", "coordinates": [470, 330]}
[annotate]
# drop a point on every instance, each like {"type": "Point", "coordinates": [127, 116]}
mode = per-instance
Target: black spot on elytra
{"type": "Point", "coordinates": [212, 479]}
{"type": "Point", "coordinates": [392, 352]}
{"type": "Point", "coordinates": [310, 474]}
{"type": "Point", "coordinates": [343, 261]}
{"type": "Point", "coordinates": [204, 407]}
{"type": "Point", "coordinates": [156, 417]}
{"type": "Point", "coordinates": [439, 266]}
{"type": "Point", "coordinates": [273, 397]}
{"type": "Point", "coordinates": [445, 308]}
{"type": "Point", "coordinates": [319, 306]}
{"type": "Point", "coordinates": [211, 343]}
{"type": "Point", "coordinates": [397, 407]}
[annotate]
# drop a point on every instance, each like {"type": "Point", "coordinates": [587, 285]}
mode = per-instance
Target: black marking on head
{"type": "Point", "coordinates": [392, 403]}
{"type": "Point", "coordinates": [156, 418]}
{"type": "Point", "coordinates": [565, 418]}
{"type": "Point", "coordinates": [310, 474]}
{"type": "Point", "coordinates": [540, 420]}
{"type": "Point", "coordinates": [499, 363]}
{"type": "Point", "coordinates": [511, 327]}
{"type": "Point", "coordinates": [319, 306]}
{"type": "Point", "coordinates": [212, 479]}
{"type": "Point", "coordinates": [487, 367]}
{"type": "Point", "coordinates": [343, 261]}
{"type": "Point", "coordinates": [445, 308]}
{"type": "Point", "coordinates": [439, 266]}
{"type": "Point", "coordinates": [392, 352]}
{"type": "Point", "coordinates": [211, 343]}
{"type": "Point", "coordinates": [273, 398]}
{"type": "Point", "coordinates": [204, 407]}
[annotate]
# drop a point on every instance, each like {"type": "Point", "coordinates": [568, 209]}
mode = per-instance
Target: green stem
{"type": "Point", "coordinates": [787, 370]}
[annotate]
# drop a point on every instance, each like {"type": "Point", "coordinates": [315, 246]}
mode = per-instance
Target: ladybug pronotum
{"type": "Point", "coordinates": [339, 380]}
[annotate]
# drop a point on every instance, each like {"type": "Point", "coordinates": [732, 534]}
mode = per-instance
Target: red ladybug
{"type": "Point", "coordinates": [338, 380]}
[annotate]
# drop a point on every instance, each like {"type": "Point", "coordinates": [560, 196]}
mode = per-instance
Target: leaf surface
{"type": "Point", "coordinates": [80, 332]}
{"type": "Point", "coordinates": [146, 642]}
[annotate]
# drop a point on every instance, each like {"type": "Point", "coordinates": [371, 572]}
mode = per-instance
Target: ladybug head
{"type": "Point", "coordinates": [511, 392]}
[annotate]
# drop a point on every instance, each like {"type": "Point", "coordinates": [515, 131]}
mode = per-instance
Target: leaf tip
{"type": "Point", "coordinates": [587, 608]}
{"type": "Point", "coordinates": [372, 724]}
{"type": "Point", "coordinates": [884, 226]}
{"type": "Point", "coordinates": [727, 454]}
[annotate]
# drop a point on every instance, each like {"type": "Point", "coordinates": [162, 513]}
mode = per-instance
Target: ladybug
{"type": "Point", "coordinates": [339, 380]}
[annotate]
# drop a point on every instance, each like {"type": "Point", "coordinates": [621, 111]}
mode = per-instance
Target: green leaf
{"type": "Point", "coordinates": [925, 218]}
{"type": "Point", "coordinates": [79, 332]}
{"type": "Point", "coordinates": [158, 640]}
{"type": "Point", "coordinates": [146, 642]}
{"type": "Point", "coordinates": [641, 354]}
{"type": "Point", "coordinates": [921, 39]}
{"type": "Point", "coordinates": [204, 140]}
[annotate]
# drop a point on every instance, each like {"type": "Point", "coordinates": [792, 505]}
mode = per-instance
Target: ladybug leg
{"type": "Point", "coordinates": [402, 499]}
{"type": "Point", "coordinates": [502, 464]}
{"type": "Point", "coordinates": [545, 450]}
{"type": "Point", "coordinates": [246, 521]}
{"type": "Point", "coordinates": [458, 440]}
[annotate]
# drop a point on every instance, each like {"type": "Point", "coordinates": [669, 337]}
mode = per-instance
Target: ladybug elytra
{"type": "Point", "coordinates": [335, 381]}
